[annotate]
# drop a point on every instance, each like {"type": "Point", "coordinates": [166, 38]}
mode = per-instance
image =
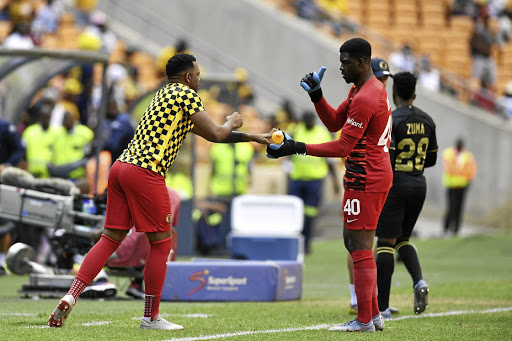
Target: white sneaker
{"type": "Point", "coordinates": [135, 291]}
{"type": "Point", "coordinates": [354, 326]}
{"type": "Point", "coordinates": [160, 323]}
{"type": "Point", "coordinates": [378, 322]}
{"type": "Point", "coordinates": [61, 313]}
{"type": "Point", "coordinates": [99, 290]}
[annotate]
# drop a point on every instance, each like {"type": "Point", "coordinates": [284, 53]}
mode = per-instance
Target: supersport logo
{"type": "Point", "coordinates": [196, 277]}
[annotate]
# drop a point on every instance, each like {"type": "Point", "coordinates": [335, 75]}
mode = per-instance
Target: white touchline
{"type": "Point", "coordinates": [97, 323]}
{"type": "Point", "coordinates": [180, 315]}
{"type": "Point", "coordinates": [249, 332]}
{"type": "Point", "coordinates": [324, 326]}
{"type": "Point", "coordinates": [449, 313]}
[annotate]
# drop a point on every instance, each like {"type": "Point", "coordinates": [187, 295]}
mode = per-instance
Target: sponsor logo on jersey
{"type": "Point", "coordinates": [351, 121]}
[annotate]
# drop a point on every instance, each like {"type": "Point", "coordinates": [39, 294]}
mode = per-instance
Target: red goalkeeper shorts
{"type": "Point", "coordinates": [361, 210]}
{"type": "Point", "coordinates": [137, 197]}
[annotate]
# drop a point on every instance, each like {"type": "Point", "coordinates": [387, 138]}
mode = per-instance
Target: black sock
{"type": "Point", "coordinates": [409, 256]}
{"type": "Point", "coordinates": [385, 268]}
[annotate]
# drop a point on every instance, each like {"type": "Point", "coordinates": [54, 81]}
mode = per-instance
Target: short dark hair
{"type": "Point", "coordinates": [357, 48]}
{"type": "Point", "coordinates": [179, 63]}
{"type": "Point", "coordinates": [404, 85]}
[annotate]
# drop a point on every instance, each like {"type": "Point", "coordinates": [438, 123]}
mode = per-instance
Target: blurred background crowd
{"type": "Point", "coordinates": [459, 47]}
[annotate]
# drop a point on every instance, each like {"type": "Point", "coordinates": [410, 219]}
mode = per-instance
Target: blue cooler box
{"type": "Point", "coordinates": [233, 280]}
{"type": "Point", "coordinates": [265, 248]}
{"type": "Point", "coordinates": [266, 227]}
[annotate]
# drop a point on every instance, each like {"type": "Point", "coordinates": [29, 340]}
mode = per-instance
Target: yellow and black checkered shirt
{"type": "Point", "coordinates": [163, 127]}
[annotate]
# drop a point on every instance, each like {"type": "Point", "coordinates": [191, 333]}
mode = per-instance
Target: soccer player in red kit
{"type": "Point", "coordinates": [365, 119]}
{"type": "Point", "coordinates": [137, 194]}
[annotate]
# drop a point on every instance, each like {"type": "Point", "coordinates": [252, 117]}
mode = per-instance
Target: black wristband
{"type": "Point", "coordinates": [316, 95]}
{"type": "Point", "coordinates": [300, 148]}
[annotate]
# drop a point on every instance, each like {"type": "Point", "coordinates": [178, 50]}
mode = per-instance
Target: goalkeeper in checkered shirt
{"type": "Point", "coordinates": [137, 194]}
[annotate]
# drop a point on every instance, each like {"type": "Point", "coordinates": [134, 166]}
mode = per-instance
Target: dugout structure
{"type": "Point", "coordinates": [25, 72]}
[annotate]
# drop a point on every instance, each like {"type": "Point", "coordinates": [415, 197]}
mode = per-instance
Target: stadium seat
{"type": "Point", "coordinates": [355, 10]}
{"type": "Point", "coordinates": [406, 19]}
{"type": "Point", "coordinates": [461, 24]}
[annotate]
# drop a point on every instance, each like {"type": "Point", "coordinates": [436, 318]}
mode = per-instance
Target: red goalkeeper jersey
{"type": "Point", "coordinates": [366, 116]}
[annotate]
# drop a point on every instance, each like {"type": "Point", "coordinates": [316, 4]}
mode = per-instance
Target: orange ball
{"type": "Point", "coordinates": [277, 137]}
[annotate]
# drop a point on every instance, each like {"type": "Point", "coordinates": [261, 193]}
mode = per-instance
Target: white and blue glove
{"type": "Point", "coordinates": [311, 81]}
{"type": "Point", "coordinates": [285, 148]}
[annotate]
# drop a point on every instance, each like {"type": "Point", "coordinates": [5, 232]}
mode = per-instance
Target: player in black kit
{"type": "Point", "coordinates": [413, 147]}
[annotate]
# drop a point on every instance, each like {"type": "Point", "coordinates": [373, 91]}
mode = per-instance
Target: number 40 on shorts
{"type": "Point", "coordinates": [352, 207]}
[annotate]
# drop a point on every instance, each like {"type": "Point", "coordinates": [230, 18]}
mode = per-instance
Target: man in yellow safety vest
{"type": "Point", "coordinates": [459, 170]}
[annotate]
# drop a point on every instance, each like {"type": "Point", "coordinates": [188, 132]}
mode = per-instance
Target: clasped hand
{"type": "Point", "coordinates": [287, 147]}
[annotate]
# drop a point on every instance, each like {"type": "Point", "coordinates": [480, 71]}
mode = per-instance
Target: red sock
{"type": "Point", "coordinates": [365, 282]}
{"type": "Point", "coordinates": [375, 301]}
{"type": "Point", "coordinates": [154, 275]}
{"type": "Point", "coordinates": [93, 262]}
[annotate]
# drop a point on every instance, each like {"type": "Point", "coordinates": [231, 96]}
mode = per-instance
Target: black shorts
{"type": "Point", "coordinates": [401, 211]}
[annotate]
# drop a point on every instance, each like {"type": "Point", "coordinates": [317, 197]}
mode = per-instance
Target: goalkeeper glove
{"type": "Point", "coordinates": [287, 147]}
{"type": "Point", "coordinates": [311, 83]}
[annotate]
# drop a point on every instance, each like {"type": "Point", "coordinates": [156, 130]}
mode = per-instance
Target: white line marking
{"type": "Point", "coordinates": [219, 336]}
{"type": "Point", "coordinates": [450, 313]}
{"type": "Point", "coordinates": [179, 315]}
{"type": "Point", "coordinates": [86, 324]}
{"type": "Point", "coordinates": [97, 323]}
{"type": "Point", "coordinates": [323, 326]}
{"type": "Point", "coordinates": [17, 314]}
{"type": "Point", "coordinates": [197, 315]}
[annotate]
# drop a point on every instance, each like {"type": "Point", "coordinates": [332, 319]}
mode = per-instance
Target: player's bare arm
{"type": "Point", "coordinates": [206, 128]}
{"type": "Point", "coordinates": [238, 136]}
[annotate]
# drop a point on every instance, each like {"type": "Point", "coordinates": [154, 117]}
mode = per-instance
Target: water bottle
{"type": "Point", "coordinates": [89, 206]}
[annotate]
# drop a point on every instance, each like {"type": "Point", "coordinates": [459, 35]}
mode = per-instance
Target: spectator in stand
{"type": "Point", "coordinates": [306, 9]}
{"type": "Point", "coordinates": [83, 10]}
{"type": "Point", "coordinates": [99, 27]}
{"type": "Point", "coordinates": [495, 7]}
{"type": "Point", "coordinates": [505, 25]}
{"type": "Point", "coordinates": [4, 11]}
{"type": "Point", "coordinates": [182, 46]}
{"type": "Point", "coordinates": [428, 76]}
{"type": "Point", "coordinates": [21, 11]}
{"type": "Point", "coordinates": [118, 128]}
{"type": "Point", "coordinates": [19, 38]}
{"type": "Point", "coordinates": [88, 100]}
{"type": "Point", "coordinates": [46, 19]}
{"type": "Point", "coordinates": [404, 59]}
{"type": "Point", "coordinates": [72, 88]}
{"type": "Point", "coordinates": [464, 7]}
{"type": "Point", "coordinates": [481, 44]}
{"type": "Point", "coordinates": [245, 92]}
{"type": "Point", "coordinates": [506, 101]}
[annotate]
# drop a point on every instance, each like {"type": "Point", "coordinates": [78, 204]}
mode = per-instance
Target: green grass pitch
{"type": "Point", "coordinates": [468, 278]}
